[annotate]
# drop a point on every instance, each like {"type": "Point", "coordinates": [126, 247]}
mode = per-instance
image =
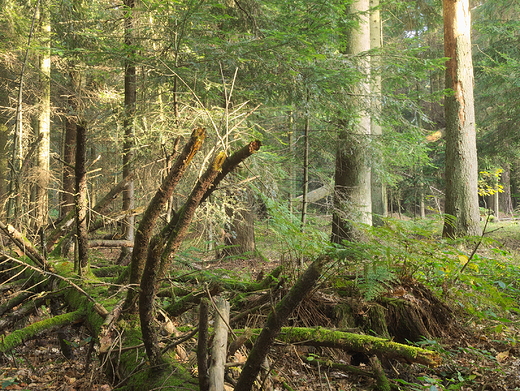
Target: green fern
{"type": "Point", "coordinates": [376, 280]}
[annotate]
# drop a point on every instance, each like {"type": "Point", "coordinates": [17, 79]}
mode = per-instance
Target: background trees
{"type": "Point", "coordinates": [342, 117]}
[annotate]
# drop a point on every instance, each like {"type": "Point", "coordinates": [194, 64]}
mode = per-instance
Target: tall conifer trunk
{"type": "Point", "coordinates": [462, 210]}
{"type": "Point", "coordinates": [41, 197]}
{"type": "Point", "coordinates": [379, 197]}
{"type": "Point", "coordinates": [352, 194]}
{"type": "Point", "coordinates": [129, 123]}
{"type": "Point", "coordinates": [69, 147]}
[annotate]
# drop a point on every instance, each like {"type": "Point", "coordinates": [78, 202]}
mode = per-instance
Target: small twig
{"type": "Point", "coordinates": [474, 250]}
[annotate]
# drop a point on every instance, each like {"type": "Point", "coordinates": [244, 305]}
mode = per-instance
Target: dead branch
{"type": "Point", "coordinates": [101, 311]}
{"type": "Point", "coordinates": [155, 207]}
{"type": "Point", "coordinates": [25, 246]}
{"type": "Point", "coordinates": [160, 250]}
{"type": "Point", "coordinates": [275, 321]}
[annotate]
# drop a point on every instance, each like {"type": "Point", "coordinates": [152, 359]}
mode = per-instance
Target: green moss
{"type": "Point", "coordinates": [14, 339]}
{"type": "Point", "coordinates": [171, 376]}
{"type": "Point", "coordinates": [354, 342]}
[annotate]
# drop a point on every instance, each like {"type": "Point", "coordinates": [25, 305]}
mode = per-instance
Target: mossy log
{"type": "Point", "coordinates": [230, 284]}
{"type": "Point", "coordinates": [26, 309]}
{"type": "Point", "coordinates": [15, 301]}
{"type": "Point", "coordinates": [17, 337]}
{"type": "Point", "coordinates": [356, 343]}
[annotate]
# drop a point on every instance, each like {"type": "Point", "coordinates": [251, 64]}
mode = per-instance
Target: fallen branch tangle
{"type": "Point", "coordinates": [151, 260]}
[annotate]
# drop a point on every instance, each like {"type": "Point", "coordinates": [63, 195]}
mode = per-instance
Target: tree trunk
{"type": "Point", "coordinates": [506, 203]}
{"type": "Point", "coordinates": [219, 347]}
{"type": "Point", "coordinates": [4, 167]}
{"type": "Point", "coordinates": [161, 249]}
{"type": "Point", "coordinates": [461, 208]}
{"type": "Point", "coordinates": [41, 197]}
{"type": "Point", "coordinates": [154, 209]}
{"type": "Point", "coordinates": [240, 233]}
{"type": "Point", "coordinates": [81, 198]}
{"type": "Point", "coordinates": [69, 147]}
{"type": "Point", "coordinates": [352, 194]}
{"type": "Point", "coordinates": [378, 188]}
{"type": "Point", "coordinates": [305, 187]}
{"type": "Point", "coordinates": [129, 123]}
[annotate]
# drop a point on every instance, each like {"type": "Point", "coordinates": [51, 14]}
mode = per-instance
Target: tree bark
{"type": "Point", "coordinates": [202, 345]}
{"type": "Point", "coordinates": [41, 199]}
{"type": "Point", "coordinates": [506, 202]}
{"type": "Point", "coordinates": [4, 167]}
{"type": "Point", "coordinates": [81, 198]}
{"type": "Point", "coordinates": [352, 194]}
{"type": "Point", "coordinates": [130, 93]}
{"type": "Point", "coordinates": [378, 188]}
{"type": "Point", "coordinates": [219, 346]}
{"type": "Point", "coordinates": [156, 206]}
{"type": "Point", "coordinates": [160, 251]}
{"type": "Point", "coordinates": [240, 232]}
{"type": "Point", "coordinates": [69, 147]}
{"type": "Point", "coordinates": [306, 147]}
{"type": "Point", "coordinates": [461, 207]}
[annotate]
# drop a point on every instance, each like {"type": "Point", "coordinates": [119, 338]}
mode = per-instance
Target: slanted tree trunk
{"type": "Point", "coordinates": [461, 207]}
{"type": "Point", "coordinates": [160, 252]}
{"type": "Point", "coordinates": [275, 321]}
{"type": "Point", "coordinates": [156, 206]}
{"type": "Point", "coordinates": [352, 194]}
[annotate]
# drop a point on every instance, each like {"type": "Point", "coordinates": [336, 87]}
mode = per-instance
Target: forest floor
{"type": "Point", "coordinates": [481, 355]}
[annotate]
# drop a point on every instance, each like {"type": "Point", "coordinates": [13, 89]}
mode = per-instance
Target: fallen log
{"type": "Point", "coordinates": [110, 243]}
{"type": "Point", "coordinates": [17, 337]}
{"type": "Point", "coordinates": [350, 342]}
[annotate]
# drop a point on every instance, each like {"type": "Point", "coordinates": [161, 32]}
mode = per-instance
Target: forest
{"type": "Point", "coordinates": [278, 195]}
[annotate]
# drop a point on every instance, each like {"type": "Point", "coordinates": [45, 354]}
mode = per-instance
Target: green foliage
{"type": "Point", "coordinates": [487, 288]}
{"type": "Point", "coordinates": [287, 230]}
